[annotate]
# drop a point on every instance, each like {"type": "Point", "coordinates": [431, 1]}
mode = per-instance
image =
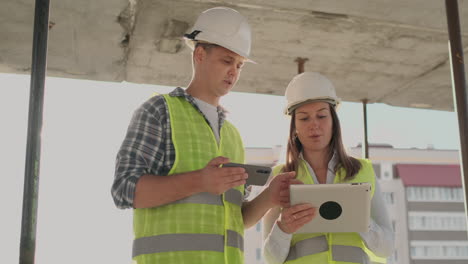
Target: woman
{"type": "Point", "coordinates": [315, 152]}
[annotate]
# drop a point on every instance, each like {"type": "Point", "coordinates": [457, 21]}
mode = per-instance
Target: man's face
{"type": "Point", "coordinates": [220, 69]}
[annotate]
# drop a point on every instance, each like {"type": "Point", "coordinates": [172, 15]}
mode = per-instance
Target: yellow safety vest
{"type": "Point", "coordinates": [336, 248]}
{"type": "Point", "coordinates": [203, 228]}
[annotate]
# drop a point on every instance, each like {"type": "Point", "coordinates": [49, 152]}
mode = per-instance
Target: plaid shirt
{"type": "Point", "coordinates": [147, 147]}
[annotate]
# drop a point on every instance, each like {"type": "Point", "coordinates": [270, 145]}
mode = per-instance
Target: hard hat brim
{"type": "Point", "coordinates": [191, 43]}
{"type": "Point", "coordinates": [290, 108]}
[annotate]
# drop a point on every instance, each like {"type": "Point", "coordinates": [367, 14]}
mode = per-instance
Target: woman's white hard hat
{"type": "Point", "coordinates": [309, 87]}
{"type": "Point", "coordinates": [222, 26]}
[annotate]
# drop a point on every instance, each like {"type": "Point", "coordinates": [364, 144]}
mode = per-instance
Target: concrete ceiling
{"type": "Point", "coordinates": [392, 52]}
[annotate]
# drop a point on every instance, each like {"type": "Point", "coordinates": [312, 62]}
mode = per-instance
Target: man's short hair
{"type": "Point", "coordinates": [205, 45]}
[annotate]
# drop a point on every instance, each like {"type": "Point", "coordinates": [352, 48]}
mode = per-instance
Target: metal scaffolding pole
{"type": "Point", "coordinates": [300, 64]}
{"type": "Point", "coordinates": [365, 143]}
{"type": "Point", "coordinates": [460, 94]}
{"type": "Point", "coordinates": [33, 147]}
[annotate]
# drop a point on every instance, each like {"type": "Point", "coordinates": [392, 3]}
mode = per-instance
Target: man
{"type": "Point", "coordinates": [187, 208]}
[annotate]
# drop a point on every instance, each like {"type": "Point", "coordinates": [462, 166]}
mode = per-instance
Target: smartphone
{"type": "Point", "coordinates": [258, 175]}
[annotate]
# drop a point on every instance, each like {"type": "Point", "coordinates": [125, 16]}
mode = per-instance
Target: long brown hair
{"type": "Point", "coordinates": [294, 148]}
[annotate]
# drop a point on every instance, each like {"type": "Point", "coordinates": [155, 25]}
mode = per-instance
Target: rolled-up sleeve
{"type": "Point", "coordinates": [142, 151]}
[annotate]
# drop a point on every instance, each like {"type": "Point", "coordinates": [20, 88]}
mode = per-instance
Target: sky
{"type": "Point", "coordinates": [84, 125]}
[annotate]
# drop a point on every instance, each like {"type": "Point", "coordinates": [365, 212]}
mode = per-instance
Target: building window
{"type": "Point", "coordinates": [439, 249]}
{"type": "Point", "coordinates": [434, 194]}
{"type": "Point", "coordinates": [451, 221]}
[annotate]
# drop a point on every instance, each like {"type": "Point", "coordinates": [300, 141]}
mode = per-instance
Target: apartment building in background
{"type": "Point", "coordinates": [424, 196]}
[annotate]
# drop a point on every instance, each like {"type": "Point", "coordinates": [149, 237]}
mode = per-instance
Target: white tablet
{"type": "Point", "coordinates": [342, 207]}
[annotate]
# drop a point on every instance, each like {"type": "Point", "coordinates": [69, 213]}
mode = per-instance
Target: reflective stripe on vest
{"type": "Point", "coordinates": [234, 239]}
{"type": "Point", "coordinates": [319, 244]}
{"type": "Point", "coordinates": [307, 247]}
{"type": "Point", "coordinates": [349, 254]}
{"type": "Point", "coordinates": [185, 242]}
{"type": "Point", "coordinates": [232, 195]}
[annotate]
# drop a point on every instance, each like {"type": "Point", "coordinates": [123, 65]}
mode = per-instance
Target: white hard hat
{"type": "Point", "coordinates": [222, 26]}
{"type": "Point", "coordinates": [307, 87]}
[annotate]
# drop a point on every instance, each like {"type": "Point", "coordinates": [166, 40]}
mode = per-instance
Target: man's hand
{"type": "Point", "coordinates": [218, 180]}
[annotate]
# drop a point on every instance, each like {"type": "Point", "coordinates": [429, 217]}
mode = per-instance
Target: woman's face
{"type": "Point", "coordinates": [314, 125]}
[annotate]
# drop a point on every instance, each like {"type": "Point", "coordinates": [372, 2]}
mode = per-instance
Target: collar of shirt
{"type": "Point", "coordinates": [179, 92]}
{"type": "Point", "coordinates": [330, 171]}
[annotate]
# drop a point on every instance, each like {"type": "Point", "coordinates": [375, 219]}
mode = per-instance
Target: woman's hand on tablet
{"type": "Point", "coordinates": [293, 218]}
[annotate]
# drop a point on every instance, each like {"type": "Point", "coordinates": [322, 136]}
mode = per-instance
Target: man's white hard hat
{"type": "Point", "coordinates": [222, 26]}
{"type": "Point", "coordinates": [308, 87]}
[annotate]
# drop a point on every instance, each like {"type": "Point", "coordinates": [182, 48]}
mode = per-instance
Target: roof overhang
{"type": "Point", "coordinates": [392, 52]}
